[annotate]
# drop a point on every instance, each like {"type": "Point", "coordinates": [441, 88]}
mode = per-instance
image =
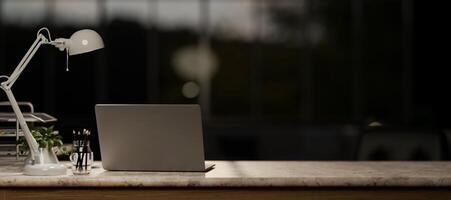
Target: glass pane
{"type": "Point", "coordinates": [179, 14]}
{"type": "Point", "coordinates": [233, 19]}
{"type": "Point", "coordinates": [233, 27]}
{"type": "Point", "coordinates": [178, 39]}
{"type": "Point", "coordinates": [76, 12]}
{"type": "Point", "coordinates": [383, 59]}
{"type": "Point", "coordinates": [13, 11]}
{"type": "Point", "coordinates": [133, 10]}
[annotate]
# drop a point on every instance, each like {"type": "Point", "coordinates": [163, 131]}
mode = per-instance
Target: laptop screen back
{"type": "Point", "coordinates": [150, 137]}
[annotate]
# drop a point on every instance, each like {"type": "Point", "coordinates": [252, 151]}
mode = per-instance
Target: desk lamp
{"type": "Point", "coordinates": [82, 41]}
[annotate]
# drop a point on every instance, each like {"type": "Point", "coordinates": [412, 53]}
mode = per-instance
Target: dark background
{"type": "Point", "coordinates": [310, 82]}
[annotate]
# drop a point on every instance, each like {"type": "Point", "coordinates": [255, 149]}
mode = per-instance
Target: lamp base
{"type": "Point", "coordinates": [45, 164]}
{"type": "Point", "coordinates": [45, 170]}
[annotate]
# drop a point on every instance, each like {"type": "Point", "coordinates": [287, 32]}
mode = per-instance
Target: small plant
{"type": "Point", "coordinates": [45, 136]}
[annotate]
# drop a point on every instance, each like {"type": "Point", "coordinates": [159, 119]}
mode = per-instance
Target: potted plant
{"type": "Point", "coordinates": [46, 137]}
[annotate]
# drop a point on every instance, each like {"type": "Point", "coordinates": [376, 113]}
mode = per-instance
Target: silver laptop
{"type": "Point", "coordinates": [151, 137]}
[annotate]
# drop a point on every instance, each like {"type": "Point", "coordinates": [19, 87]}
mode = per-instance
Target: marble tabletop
{"type": "Point", "coordinates": [251, 174]}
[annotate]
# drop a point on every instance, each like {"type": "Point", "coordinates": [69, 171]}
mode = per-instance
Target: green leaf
{"type": "Point", "coordinates": [44, 136]}
{"type": "Point", "coordinates": [44, 144]}
{"type": "Point", "coordinates": [58, 142]}
{"type": "Point", "coordinates": [36, 134]}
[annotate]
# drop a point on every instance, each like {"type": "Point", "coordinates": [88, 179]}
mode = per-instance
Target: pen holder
{"type": "Point", "coordinates": [82, 157]}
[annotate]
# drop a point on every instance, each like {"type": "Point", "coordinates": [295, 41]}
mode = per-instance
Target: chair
{"type": "Point", "coordinates": [402, 144]}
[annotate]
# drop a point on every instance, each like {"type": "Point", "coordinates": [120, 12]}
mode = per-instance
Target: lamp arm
{"type": "Point", "coordinates": [25, 60]}
{"type": "Point", "coordinates": [6, 86]}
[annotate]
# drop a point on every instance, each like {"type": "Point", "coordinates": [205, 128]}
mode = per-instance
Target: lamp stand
{"type": "Point", "coordinates": [41, 161]}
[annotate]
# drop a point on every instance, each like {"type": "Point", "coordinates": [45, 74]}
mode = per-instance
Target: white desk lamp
{"type": "Point", "coordinates": [82, 41]}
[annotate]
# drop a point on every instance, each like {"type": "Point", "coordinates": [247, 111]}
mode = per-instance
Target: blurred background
{"type": "Point", "coordinates": [279, 80]}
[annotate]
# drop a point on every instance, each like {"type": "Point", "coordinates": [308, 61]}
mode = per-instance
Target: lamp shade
{"type": "Point", "coordinates": [84, 41]}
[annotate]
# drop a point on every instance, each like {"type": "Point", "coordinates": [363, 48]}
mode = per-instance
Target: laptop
{"type": "Point", "coordinates": [151, 137]}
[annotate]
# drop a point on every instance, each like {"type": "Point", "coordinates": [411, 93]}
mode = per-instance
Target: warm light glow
{"type": "Point", "coordinates": [190, 89]}
{"type": "Point", "coordinates": [375, 124]}
{"type": "Point", "coordinates": [195, 63]}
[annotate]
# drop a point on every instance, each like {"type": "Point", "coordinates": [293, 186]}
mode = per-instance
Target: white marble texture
{"type": "Point", "coordinates": [251, 174]}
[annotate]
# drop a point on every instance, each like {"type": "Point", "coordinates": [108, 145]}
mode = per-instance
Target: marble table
{"type": "Point", "coordinates": [428, 178]}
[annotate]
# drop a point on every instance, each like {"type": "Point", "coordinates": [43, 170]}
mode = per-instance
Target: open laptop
{"type": "Point", "coordinates": [151, 137]}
